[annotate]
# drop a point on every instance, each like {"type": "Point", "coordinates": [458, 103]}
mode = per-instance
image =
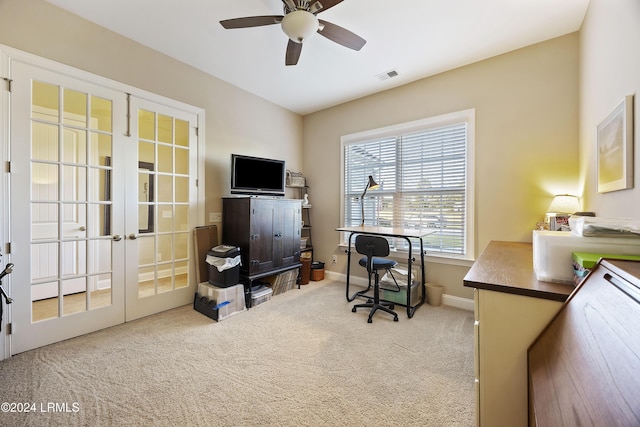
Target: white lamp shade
{"type": "Point", "coordinates": [565, 203]}
{"type": "Point", "coordinates": [299, 25]}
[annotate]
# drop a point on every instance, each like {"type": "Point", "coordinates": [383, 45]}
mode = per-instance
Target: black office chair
{"type": "Point", "coordinates": [375, 248]}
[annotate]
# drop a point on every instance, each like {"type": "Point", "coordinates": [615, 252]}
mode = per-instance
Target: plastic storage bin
{"type": "Point", "coordinates": [224, 265]}
{"type": "Point", "coordinates": [552, 259]}
{"type": "Point", "coordinates": [258, 297]}
{"type": "Point", "coordinates": [219, 303]}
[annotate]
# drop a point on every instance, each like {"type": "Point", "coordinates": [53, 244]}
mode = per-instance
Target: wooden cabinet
{"type": "Point", "coordinates": [583, 368]}
{"type": "Point", "coordinates": [511, 308]}
{"type": "Point", "coordinates": [267, 231]}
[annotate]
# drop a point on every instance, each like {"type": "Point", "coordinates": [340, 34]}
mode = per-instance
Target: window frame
{"type": "Point", "coordinates": [426, 124]}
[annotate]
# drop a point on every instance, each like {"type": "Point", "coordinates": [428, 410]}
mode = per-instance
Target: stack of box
{"type": "Point", "coordinates": [222, 296]}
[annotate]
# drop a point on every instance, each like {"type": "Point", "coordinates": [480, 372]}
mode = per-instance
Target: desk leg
{"type": "Point", "coordinates": [411, 310]}
{"type": "Point", "coordinates": [349, 298]}
{"type": "Point", "coordinates": [359, 293]}
{"type": "Point", "coordinates": [424, 279]}
{"type": "Point", "coordinates": [409, 280]}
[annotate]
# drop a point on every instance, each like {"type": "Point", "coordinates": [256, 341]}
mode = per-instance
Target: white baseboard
{"type": "Point", "coordinates": [450, 300]}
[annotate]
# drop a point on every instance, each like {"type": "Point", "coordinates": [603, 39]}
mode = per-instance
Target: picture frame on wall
{"type": "Point", "coordinates": [615, 148]}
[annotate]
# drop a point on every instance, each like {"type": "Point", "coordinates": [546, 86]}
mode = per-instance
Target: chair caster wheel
{"type": "Point", "coordinates": [395, 319]}
{"type": "Point", "coordinates": [392, 306]}
{"type": "Point", "coordinates": [353, 309]}
{"type": "Point", "coordinates": [369, 321]}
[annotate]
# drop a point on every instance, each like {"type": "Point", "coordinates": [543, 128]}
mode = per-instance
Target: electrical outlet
{"type": "Point", "coordinates": [215, 217]}
{"type": "Point", "coordinates": [334, 260]}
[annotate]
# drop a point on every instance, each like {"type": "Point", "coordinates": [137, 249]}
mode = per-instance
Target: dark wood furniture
{"type": "Point", "coordinates": [511, 308]}
{"type": "Point", "coordinates": [267, 231]}
{"type": "Point", "coordinates": [583, 368]}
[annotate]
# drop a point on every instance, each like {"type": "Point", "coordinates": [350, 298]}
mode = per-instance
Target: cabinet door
{"type": "Point", "coordinates": [288, 236]}
{"type": "Point", "coordinates": [264, 220]}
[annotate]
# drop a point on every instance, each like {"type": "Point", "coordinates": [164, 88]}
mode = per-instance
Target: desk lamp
{"type": "Point", "coordinates": [371, 185]}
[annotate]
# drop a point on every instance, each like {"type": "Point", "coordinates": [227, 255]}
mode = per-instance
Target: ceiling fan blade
{"type": "Point", "coordinates": [290, 4]}
{"type": "Point", "coordinates": [293, 53]}
{"type": "Point", "coordinates": [251, 21]}
{"type": "Point", "coordinates": [323, 5]}
{"type": "Point", "coordinates": [341, 35]}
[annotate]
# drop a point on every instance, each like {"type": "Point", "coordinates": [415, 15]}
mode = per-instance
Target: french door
{"type": "Point", "coordinates": [102, 199]}
{"type": "Point", "coordinates": [160, 168]}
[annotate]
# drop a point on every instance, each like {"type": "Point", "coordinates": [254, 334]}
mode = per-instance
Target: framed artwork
{"type": "Point", "coordinates": [615, 148]}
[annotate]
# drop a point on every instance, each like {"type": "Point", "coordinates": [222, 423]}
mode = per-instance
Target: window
{"type": "Point", "coordinates": [424, 169]}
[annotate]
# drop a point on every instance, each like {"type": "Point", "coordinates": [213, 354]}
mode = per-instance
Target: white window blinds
{"type": "Point", "coordinates": [423, 177]}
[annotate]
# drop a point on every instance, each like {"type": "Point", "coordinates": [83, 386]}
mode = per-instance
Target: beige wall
{"type": "Point", "coordinates": [610, 70]}
{"type": "Point", "coordinates": [236, 121]}
{"type": "Point", "coordinates": [526, 147]}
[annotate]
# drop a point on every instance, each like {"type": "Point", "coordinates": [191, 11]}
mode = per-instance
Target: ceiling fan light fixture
{"type": "Point", "coordinates": [299, 25]}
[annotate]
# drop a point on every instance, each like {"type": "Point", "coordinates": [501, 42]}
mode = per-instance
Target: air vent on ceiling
{"type": "Point", "coordinates": [387, 75]}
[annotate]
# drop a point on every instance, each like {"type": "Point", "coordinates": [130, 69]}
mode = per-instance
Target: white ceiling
{"type": "Point", "coordinates": [417, 38]}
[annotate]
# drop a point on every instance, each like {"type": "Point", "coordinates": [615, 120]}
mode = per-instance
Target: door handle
{"type": "Point", "coordinates": [133, 236]}
{"type": "Point", "coordinates": [82, 228]}
{"type": "Point", "coordinates": [117, 237]}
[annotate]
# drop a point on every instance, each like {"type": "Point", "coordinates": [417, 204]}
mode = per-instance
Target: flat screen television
{"type": "Point", "coordinates": [257, 176]}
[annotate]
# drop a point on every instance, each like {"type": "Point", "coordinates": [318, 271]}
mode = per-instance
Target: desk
{"type": "Point", "coordinates": [403, 233]}
{"type": "Point", "coordinates": [511, 308]}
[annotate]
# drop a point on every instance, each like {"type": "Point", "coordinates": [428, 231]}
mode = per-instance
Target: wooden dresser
{"type": "Point", "coordinates": [511, 309]}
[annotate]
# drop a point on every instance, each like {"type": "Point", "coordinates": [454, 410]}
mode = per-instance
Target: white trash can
{"type": "Point", "coordinates": [434, 293]}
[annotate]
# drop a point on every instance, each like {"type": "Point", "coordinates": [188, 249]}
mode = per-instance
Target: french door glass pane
{"type": "Point", "coordinates": [45, 101]}
{"type": "Point", "coordinates": [75, 107]}
{"type": "Point", "coordinates": [101, 114]}
{"type": "Point", "coordinates": [44, 142]}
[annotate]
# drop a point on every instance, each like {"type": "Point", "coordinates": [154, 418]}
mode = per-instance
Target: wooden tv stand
{"type": "Point", "coordinates": [267, 231]}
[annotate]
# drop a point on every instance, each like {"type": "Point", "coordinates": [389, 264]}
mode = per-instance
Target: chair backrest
{"type": "Point", "coordinates": [372, 245]}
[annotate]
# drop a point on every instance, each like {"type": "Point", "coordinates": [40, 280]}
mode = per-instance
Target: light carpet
{"type": "Point", "coordinates": [301, 359]}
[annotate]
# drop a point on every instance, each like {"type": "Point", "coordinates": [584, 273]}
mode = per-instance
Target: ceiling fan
{"type": "Point", "coordinates": [299, 22]}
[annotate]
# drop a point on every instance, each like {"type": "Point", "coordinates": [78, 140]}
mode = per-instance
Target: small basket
{"type": "Point", "coordinates": [295, 179]}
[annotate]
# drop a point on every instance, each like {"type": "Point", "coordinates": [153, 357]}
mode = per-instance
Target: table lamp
{"type": "Point", "coordinates": [562, 206]}
{"type": "Point", "coordinates": [371, 185]}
